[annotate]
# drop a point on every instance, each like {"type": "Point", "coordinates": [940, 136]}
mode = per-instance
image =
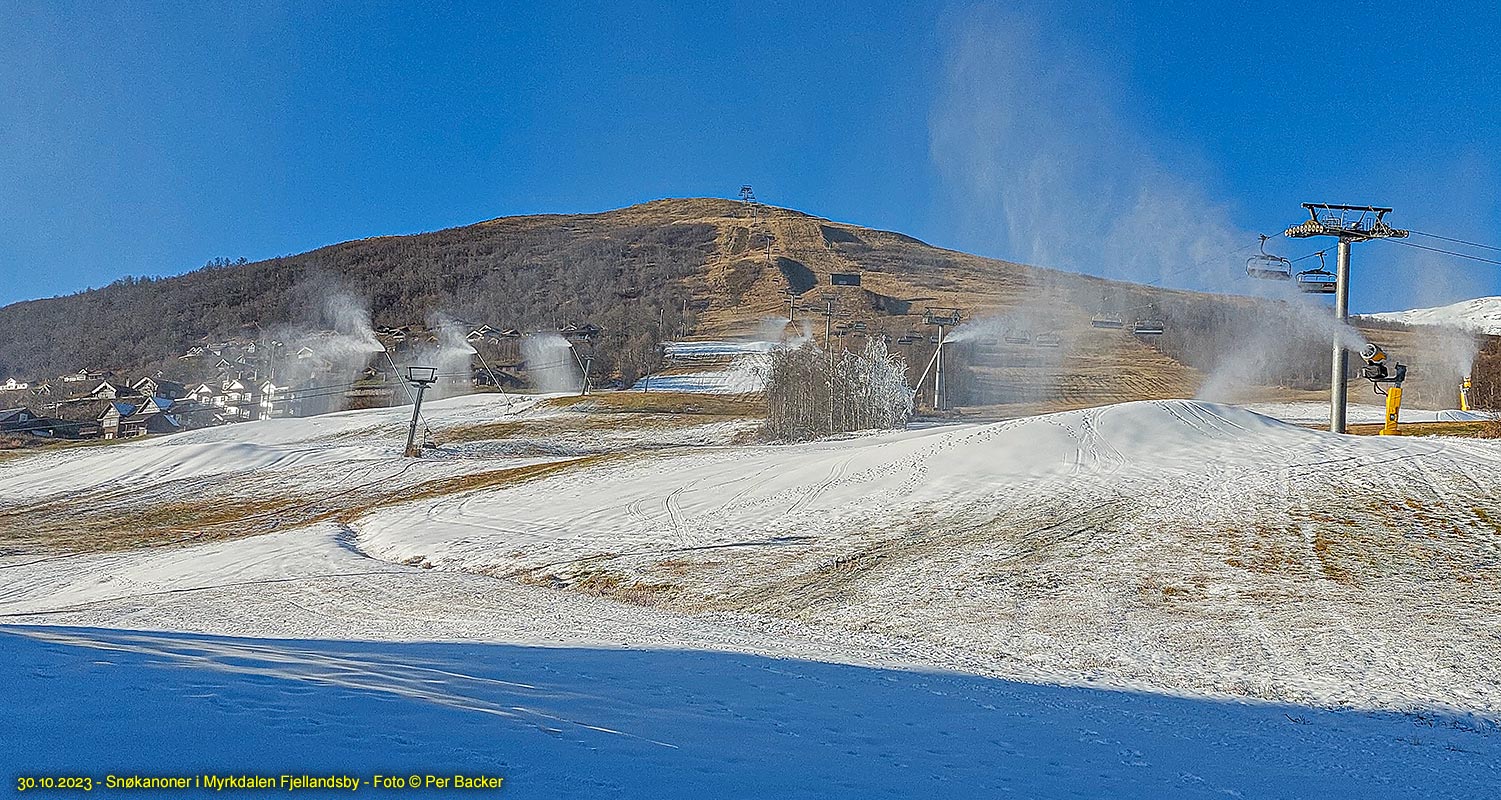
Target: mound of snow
{"type": "Point", "coordinates": [711, 498]}
{"type": "Point", "coordinates": [1316, 412]}
{"type": "Point", "coordinates": [1481, 315]}
{"type": "Point", "coordinates": [1178, 543]}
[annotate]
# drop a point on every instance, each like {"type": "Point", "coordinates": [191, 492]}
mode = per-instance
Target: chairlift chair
{"type": "Point", "coordinates": [1148, 327]}
{"type": "Point", "coordinates": [948, 317]}
{"type": "Point", "coordinates": [1267, 266]}
{"type": "Point", "coordinates": [1018, 337]}
{"type": "Point", "coordinates": [1107, 320]}
{"type": "Point", "coordinates": [1318, 280]}
{"type": "Point", "coordinates": [1046, 340]}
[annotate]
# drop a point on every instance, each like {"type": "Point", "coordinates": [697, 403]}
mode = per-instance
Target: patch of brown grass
{"type": "Point", "coordinates": [1476, 430]}
{"type": "Point", "coordinates": [662, 403]}
{"type": "Point", "coordinates": [609, 584]}
{"type": "Point", "coordinates": [1324, 548]}
{"type": "Point", "coordinates": [481, 432]}
{"type": "Point", "coordinates": [491, 479]}
{"type": "Point", "coordinates": [109, 521]}
{"type": "Point", "coordinates": [97, 524]}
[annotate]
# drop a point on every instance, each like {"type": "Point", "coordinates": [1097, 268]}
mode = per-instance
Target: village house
{"type": "Point", "coordinates": [303, 399]}
{"type": "Point", "coordinates": [17, 419]}
{"type": "Point", "coordinates": [191, 414]}
{"type": "Point", "coordinates": [277, 401]}
{"type": "Point", "coordinates": [13, 385]}
{"type": "Point", "coordinates": [83, 376]}
{"type": "Point", "coordinates": [242, 400]}
{"type": "Point", "coordinates": [114, 413]}
{"type": "Point", "coordinates": [154, 415]}
{"type": "Point", "coordinates": [112, 391]}
{"type": "Point", "coordinates": [483, 333]}
{"type": "Point", "coordinates": [207, 394]}
{"type": "Point", "coordinates": [24, 420]}
{"type": "Point", "coordinates": [158, 387]}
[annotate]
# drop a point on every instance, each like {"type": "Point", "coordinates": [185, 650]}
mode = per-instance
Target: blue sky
{"type": "Point", "coordinates": [149, 138]}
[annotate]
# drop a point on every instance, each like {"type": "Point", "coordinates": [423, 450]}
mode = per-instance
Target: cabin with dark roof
{"type": "Point", "coordinates": [17, 419]}
{"type": "Point", "coordinates": [159, 387]}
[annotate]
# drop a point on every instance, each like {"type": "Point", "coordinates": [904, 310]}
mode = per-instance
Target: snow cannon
{"type": "Point", "coordinates": [1464, 394]}
{"type": "Point", "coordinates": [1377, 372]}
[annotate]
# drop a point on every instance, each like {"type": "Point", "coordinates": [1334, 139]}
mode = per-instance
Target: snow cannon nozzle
{"type": "Point", "coordinates": [1376, 369]}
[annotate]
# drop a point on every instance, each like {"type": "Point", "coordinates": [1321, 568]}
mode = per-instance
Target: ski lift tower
{"type": "Point", "coordinates": [1349, 224]}
{"type": "Point", "coordinates": [943, 318]}
{"type": "Point", "coordinates": [420, 378]}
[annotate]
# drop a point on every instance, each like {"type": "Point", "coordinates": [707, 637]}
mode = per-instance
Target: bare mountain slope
{"type": "Point", "coordinates": [708, 268]}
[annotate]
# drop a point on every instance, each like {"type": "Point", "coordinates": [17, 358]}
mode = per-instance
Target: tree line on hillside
{"type": "Point", "coordinates": [526, 273]}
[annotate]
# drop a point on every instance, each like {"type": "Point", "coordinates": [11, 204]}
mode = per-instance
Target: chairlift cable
{"type": "Point", "coordinates": [1457, 241]}
{"type": "Point", "coordinates": [1445, 252]}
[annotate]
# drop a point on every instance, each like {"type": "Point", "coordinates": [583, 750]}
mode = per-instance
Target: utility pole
{"type": "Point", "coordinates": [1349, 224]}
{"type": "Point", "coordinates": [588, 363]}
{"type": "Point", "coordinates": [420, 377]}
{"type": "Point", "coordinates": [943, 318]}
{"type": "Point", "coordinates": [828, 318]}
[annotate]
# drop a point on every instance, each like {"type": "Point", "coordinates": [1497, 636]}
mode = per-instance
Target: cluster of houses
{"type": "Point", "coordinates": [157, 405]}
{"type": "Point", "coordinates": [298, 383]}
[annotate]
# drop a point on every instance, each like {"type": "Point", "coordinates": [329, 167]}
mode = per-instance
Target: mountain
{"type": "Point", "coordinates": [709, 268]}
{"type": "Point", "coordinates": [1481, 315]}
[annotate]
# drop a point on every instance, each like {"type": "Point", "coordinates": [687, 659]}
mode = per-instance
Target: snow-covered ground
{"type": "Point", "coordinates": [1481, 315]}
{"type": "Point", "coordinates": [612, 722]}
{"type": "Point", "coordinates": [1083, 541]}
{"type": "Point", "coordinates": [1151, 599]}
{"type": "Point", "coordinates": [328, 452]}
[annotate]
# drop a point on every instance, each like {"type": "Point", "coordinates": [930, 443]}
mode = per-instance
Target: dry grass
{"type": "Point", "coordinates": [112, 521]}
{"type": "Point", "coordinates": [609, 584]}
{"type": "Point", "coordinates": [483, 432]}
{"type": "Point", "coordinates": [99, 523]}
{"type": "Point", "coordinates": [1474, 430]}
{"type": "Point", "coordinates": [492, 479]}
{"type": "Point", "coordinates": [662, 403]}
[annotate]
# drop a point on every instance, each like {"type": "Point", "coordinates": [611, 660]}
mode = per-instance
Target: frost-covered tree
{"type": "Point", "coordinates": [810, 393]}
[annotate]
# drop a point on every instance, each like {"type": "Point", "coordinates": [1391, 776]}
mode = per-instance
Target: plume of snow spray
{"type": "Point", "coordinates": [550, 363]}
{"type": "Point", "coordinates": [1034, 147]}
{"type": "Point", "coordinates": [331, 349]}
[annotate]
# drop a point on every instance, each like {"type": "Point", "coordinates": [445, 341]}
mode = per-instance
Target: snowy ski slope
{"type": "Point", "coordinates": [1152, 597]}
